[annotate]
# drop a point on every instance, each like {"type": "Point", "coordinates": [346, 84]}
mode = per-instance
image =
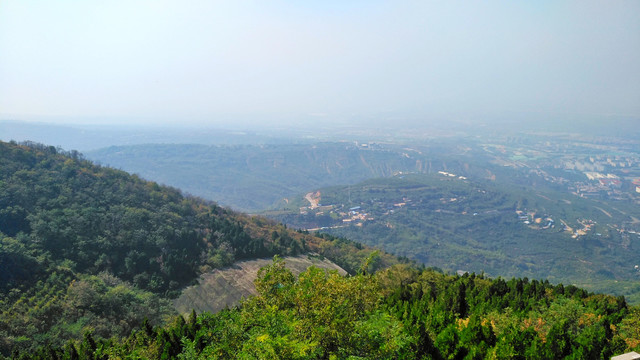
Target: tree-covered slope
{"type": "Point", "coordinates": [90, 257]}
{"type": "Point", "coordinates": [398, 313]}
{"type": "Point", "coordinates": [90, 248]}
{"type": "Point", "coordinates": [101, 219]}
{"type": "Point", "coordinates": [477, 225]}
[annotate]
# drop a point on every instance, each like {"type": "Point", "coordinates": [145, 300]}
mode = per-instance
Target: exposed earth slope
{"type": "Point", "coordinates": [222, 288]}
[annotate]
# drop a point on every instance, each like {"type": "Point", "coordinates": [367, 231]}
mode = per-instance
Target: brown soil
{"type": "Point", "coordinates": [223, 288]}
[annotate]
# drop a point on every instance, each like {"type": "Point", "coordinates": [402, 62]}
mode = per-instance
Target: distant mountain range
{"type": "Point", "coordinates": [253, 178]}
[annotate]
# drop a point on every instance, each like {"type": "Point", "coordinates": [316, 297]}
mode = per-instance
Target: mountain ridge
{"type": "Point", "coordinates": [89, 247]}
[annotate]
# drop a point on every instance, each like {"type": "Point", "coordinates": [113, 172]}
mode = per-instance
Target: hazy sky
{"type": "Point", "coordinates": [170, 61]}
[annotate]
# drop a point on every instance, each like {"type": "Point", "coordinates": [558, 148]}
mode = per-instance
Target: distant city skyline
{"type": "Point", "coordinates": [222, 63]}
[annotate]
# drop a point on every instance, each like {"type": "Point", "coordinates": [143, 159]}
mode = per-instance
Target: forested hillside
{"type": "Point", "coordinates": [90, 258]}
{"type": "Point", "coordinates": [398, 313]}
{"type": "Point", "coordinates": [477, 225]}
{"type": "Point", "coordinates": [84, 247]}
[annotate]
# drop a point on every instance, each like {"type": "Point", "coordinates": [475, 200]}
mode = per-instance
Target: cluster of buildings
{"type": "Point", "coordinates": [602, 162]}
{"type": "Point", "coordinates": [444, 173]}
{"type": "Point", "coordinates": [341, 216]}
{"type": "Point", "coordinates": [531, 219]}
{"type": "Point", "coordinates": [355, 215]}
{"type": "Point", "coordinates": [586, 227]}
{"type": "Point", "coordinates": [610, 185]}
{"type": "Point", "coordinates": [535, 221]}
{"type": "Point", "coordinates": [636, 183]}
{"type": "Point", "coordinates": [604, 180]}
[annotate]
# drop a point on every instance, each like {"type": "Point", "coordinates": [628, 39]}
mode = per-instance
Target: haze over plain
{"type": "Point", "coordinates": [224, 63]}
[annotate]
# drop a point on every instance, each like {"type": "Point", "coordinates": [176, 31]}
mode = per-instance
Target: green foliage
{"type": "Point", "coordinates": [62, 307]}
{"type": "Point", "coordinates": [89, 248]}
{"type": "Point", "coordinates": [85, 247]}
{"type": "Point", "coordinates": [400, 312]}
{"type": "Point", "coordinates": [89, 253]}
{"type": "Point", "coordinates": [471, 225]}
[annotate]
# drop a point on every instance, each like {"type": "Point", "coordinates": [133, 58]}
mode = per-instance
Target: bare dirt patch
{"type": "Point", "coordinates": [223, 288]}
{"type": "Point", "coordinates": [313, 198]}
